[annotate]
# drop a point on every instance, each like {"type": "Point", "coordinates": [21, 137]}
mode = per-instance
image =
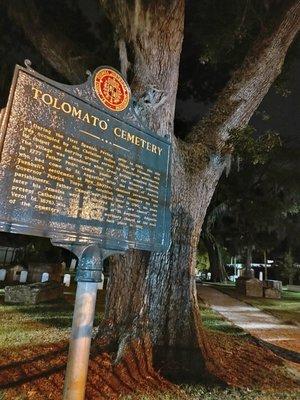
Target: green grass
{"type": "Point", "coordinates": [287, 309]}
{"type": "Point", "coordinates": [45, 323]}
{"type": "Point", "coordinates": [202, 392]}
{"type": "Point", "coordinates": [215, 322]}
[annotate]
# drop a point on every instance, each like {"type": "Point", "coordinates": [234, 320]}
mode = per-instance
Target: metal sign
{"type": "Point", "coordinates": [77, 165]}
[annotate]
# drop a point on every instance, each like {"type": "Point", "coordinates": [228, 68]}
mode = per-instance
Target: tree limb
{"type": "Point", "coordinates": [60, 51]}
{"type": "Point", "coordinates": [249, 84]}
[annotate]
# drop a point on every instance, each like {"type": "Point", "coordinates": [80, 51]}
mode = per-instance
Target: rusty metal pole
{"type": "Point", "coordinates": [88, 275]}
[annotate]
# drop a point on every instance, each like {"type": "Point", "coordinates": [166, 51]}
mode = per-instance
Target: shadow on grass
{"type": "Point", "coordinates": [33, 373]}
{"type": "Point", "coordinates": [57, 314]}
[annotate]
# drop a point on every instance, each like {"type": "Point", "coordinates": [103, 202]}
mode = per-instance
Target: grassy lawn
{"type": "Point", "coordinates": [286, 309]}
{"type": "Point", "coordinates": [45, 323]}
{"type": "Point", "coordinates": [200, 392]}
{"type": "Point", "coordinates": [216, 323]}
{"type": "Point", "coordinates": [27, 326]}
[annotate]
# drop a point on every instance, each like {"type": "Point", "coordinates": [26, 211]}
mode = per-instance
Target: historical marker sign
{"type": "Point", "coordinates": [77, 165]}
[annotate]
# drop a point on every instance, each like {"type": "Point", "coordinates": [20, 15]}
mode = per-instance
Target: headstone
{"type": "Point", "coordinates": [101, 284]}
{"type": "Point", "coordinates": [2, 274]}
{"type": "Point", "coordinates": [23, 276]}
{"type": "Point", "coordinates": [261, 276]}
{"type": "Point", "coordinates": [67, 280]}
{"type": "Point", "coordinates": [34, 293]}
{"type": "Point", "coordinates": [270, 293]}
{"type": "Point", "coordinates": [36, 270]}
{"type": "Point", "coordinates": [272, 289]}
{"type": "Point", "coordinates": [45, 277]}
{"type": "Point", "coordinates": [13, 273]}
{"type": "Point", "coordinates": [73, 264]}
{"type": "Point", "coordinates": [272, 284]}
{"type": "Point", "coordinates": [249, 287]}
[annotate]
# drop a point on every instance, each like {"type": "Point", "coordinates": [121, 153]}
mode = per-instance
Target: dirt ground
{"type": "Point", "coordinates": [38, 372]}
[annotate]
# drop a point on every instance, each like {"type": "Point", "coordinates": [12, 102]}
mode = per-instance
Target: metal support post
{"type": "Point", "coordinates": [88, 275]}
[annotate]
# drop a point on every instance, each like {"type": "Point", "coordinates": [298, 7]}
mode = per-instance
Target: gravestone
{"type": "Point", "coordinates": [13, 273]}
{"type": "Point", "coordinates": [23, 276]}
{"type": "Point", "coordinates": [272, 284]}
{"type": "Point", "coordinates": [73, 265]}
{"type": "Point", "coordinates": [2, 275]}
{"type": "Point", "coordinates": [249, 287]}
{"type": "Point", "coordinates": [33, 293]}
{"type": "Point", "coordinates": [36, 270]}
{"type": "Point", "coordinates": [101, 284]}
{"type": "Point", "coordinates": [45, 277]}
{"type": "Point", "coordinates": [67, 280]}
{"type": "Point", "coordinates": [272, 289]}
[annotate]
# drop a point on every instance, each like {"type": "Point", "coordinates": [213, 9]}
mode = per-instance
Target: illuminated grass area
{"type": "Point", "coordinates": [45, 323]}
{"type": "Point", "coordinates": [200, 392]}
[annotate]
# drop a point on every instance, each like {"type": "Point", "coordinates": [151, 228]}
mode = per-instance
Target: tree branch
{"type": "Point", "coordinates": [60, 51]}
{"type": "Point", "coordinates": [249, 84]}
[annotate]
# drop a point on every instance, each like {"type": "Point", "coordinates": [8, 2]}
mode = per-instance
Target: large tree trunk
{"type": "Point", "coordinates": [156, 293]}
{"type": "Point", "coordinates": [158, 289]}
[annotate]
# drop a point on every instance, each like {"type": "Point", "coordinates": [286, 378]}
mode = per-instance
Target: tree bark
{"type": "Point", "coordinates": [159, 289]}
{"type": "Point", "coordinates": [156, 293]}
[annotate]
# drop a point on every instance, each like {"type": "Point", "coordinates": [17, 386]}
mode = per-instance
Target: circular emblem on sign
{"type": "Point", "coordinates": [111, 89]}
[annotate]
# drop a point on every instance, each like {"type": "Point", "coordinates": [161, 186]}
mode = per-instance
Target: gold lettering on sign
{"type": "Point", "coordinates": [138, 141]}
{"type": "Point", "coordinates": [61, 175]}
{"type": "Point", "coordinates": [90, 119]}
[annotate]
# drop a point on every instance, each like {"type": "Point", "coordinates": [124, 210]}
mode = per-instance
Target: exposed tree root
{"type": "Point", "coordinates": [129, 368]}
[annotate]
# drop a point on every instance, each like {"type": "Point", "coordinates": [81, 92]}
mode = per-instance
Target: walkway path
{"type": "Point", "coordinates": [259, 324]}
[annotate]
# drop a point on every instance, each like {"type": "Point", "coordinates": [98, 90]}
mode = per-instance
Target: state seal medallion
{"type": "Point", "coordinates": [111, 89]}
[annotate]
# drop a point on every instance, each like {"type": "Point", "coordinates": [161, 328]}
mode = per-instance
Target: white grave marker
{"type": "Point", "coordinates": [23, 276]}
{"type": "Point", "coordinates": [2, 274]}
{"type": "Point", "coordinates": [45, 277]}
{"type": "Point", "coordinates": [73, 264]}
{"type": "Point", "coordinates": [67, 280]}
{"type": "Point", "coordinates": [261, 276]}
{"type": "Point", "coordinates": [101, 284]}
